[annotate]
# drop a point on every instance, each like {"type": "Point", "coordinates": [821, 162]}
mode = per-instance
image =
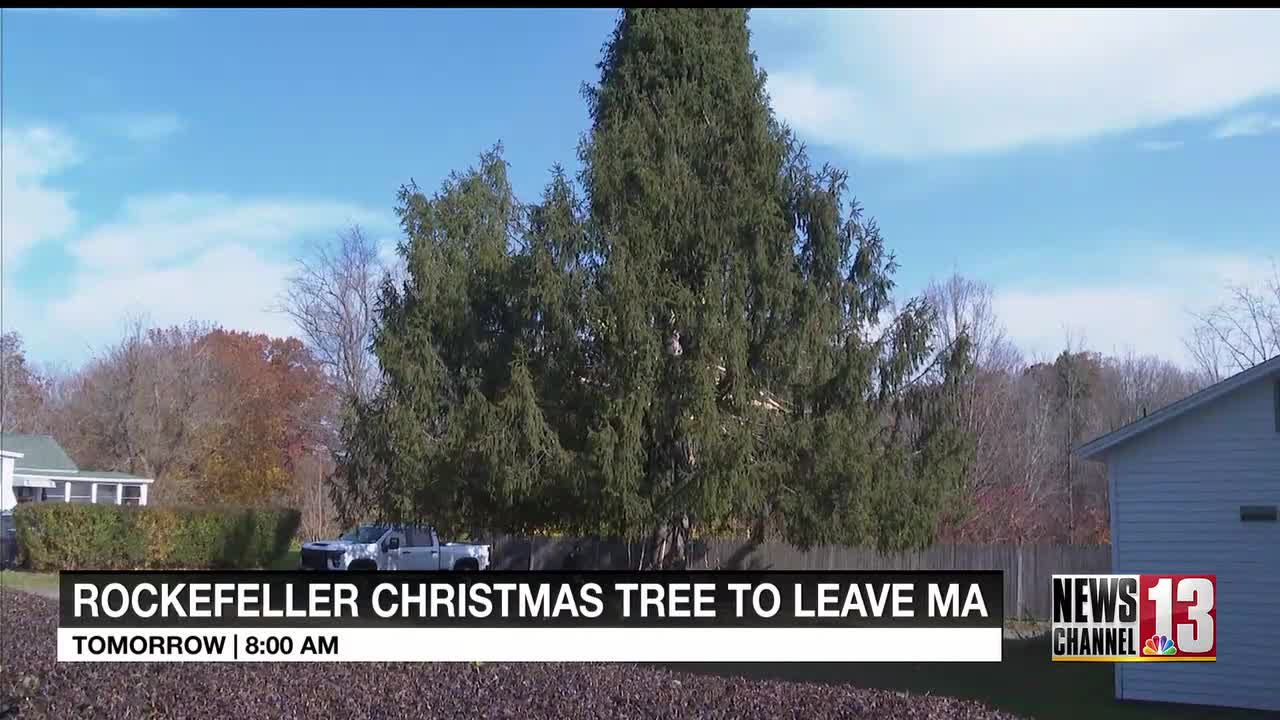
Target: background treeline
{"type": "Point", "coordinates": [219, 416]}
{"type": "Point", "coordinates": [698, 334]}
{"type": "Point", "coordinates": [216, 417]}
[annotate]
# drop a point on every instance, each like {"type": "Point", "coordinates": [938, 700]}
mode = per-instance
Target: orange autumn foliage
{"type": "Point", "coordinates": [271, 393]}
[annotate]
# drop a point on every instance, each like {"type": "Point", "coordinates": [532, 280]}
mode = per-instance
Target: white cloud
{"type": "Point", "coordinates": [1107, 319]}
{"type": "Point", "coordinates": [33, 209]}
{"type": "Point", "coordinates": [180, 257]}
{"type": "Point", "coordinates": [146, 127]}
{"type": "Point", "coordinates": [1159, 145]}
{"type": "Point", "coordinates": [1246, 125]}
{"type": "Point", "coordinates": [171, 257]}
{"type": "Point", "coordinates": [160, 229]}
{"type": "Point", "coordinates": [911, 83]}
{"type": "Point", "coordinates": [231, 284]}
{"type": "Point", "coordinates": [1149, 312]}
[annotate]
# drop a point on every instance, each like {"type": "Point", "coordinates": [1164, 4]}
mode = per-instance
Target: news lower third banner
{"type": "Point", "coordinates": [706, 616]}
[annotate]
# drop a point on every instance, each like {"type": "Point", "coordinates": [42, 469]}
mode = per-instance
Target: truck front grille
{"type": "Point", "coordinates": [315, 559]}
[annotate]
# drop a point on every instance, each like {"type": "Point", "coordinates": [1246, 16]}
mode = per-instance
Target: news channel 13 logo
{"type": "Point", "coordinates": [1134, 618]}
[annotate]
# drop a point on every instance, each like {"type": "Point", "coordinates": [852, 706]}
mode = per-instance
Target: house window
{"type": "Point", "coordinates": [105, 493]}
{"type": "Point", "coordinates": [1258, 513]}
{"type": "Point", "coordinates": [26, 495]}
{"type": "Point", "coordinates": [132, 495]}
{"type": "Point", "coordinates": [81, 492]}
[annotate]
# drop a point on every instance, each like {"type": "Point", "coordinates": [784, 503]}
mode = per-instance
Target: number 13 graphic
{"type": "Point", "coordinates": [1197, 634]}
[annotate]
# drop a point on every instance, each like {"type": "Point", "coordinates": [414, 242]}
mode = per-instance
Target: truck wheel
{"type": "Point", "coordinates": [466, 566]}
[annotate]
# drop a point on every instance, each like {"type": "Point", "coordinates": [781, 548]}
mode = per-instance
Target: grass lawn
{"type": "Point", "coordinates": [1025, 683]}
{"type": "Point", "coordinates": [42, 583]}
{"type": "Point", "coordinates": [47, 583]}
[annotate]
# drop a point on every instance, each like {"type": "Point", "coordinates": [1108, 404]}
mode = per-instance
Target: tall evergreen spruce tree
{"type": "Point", "coordinates": [706, 342]}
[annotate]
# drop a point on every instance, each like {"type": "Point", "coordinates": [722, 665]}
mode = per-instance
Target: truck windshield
{"type": "Point", "coordinates": [364, 534]}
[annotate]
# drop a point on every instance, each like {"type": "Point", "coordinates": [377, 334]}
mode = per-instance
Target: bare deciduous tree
{"type": "Point", "coordinates": [1241, 332]}
{"type": "Point", "coordinates": [1138, 385]}
{"type": "Point", "coordinates": [968, 306]}
{"type": "Point", "coordinates": [989, 397]}
{"type": "Point", "coordinates": [23, 390]}
{"type": "Point", "coordinates": [141, 406]}
{"type": "Point", "coordinates": [1026, 417]}
{"type": "Point", "coordinates": [331, 298]}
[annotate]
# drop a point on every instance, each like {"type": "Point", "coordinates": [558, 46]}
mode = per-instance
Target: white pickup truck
{"type": "Point", "coordinates": [393, 547]}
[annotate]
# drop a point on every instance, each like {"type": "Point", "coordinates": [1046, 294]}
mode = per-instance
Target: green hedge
{"type": "Point", "coordinates": [62, 536]}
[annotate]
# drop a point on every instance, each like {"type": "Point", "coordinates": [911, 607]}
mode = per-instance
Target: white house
{"type": "Point", "coordinates": [37, 469]}
{"type": "Point", "coordinates": [1195, 488]}
{"type": "Point", "coordinates": [7, 460]}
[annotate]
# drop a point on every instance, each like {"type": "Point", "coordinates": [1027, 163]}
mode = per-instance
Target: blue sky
{"type": "Point", "coordinates": [1105, 172]}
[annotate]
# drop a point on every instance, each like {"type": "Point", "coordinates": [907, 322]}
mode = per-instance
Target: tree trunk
{"type": "Point", "coordinates": [670, 544]}
{"type": "Point", "coordinates": [679, 559]}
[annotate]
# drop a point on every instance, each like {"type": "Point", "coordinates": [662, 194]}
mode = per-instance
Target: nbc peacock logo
{"type": "Point", "coordinates": [1159, 645]}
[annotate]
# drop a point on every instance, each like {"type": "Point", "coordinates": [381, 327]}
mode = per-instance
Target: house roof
{"type": "Point", "coordinates": [82, 476]}
{"type": "Point", "coordinates": [42, 456]}
{"type": "Point", "coordinates": [1102, 444]}
{"type": "Point", "coordinates": [40, 452]}
{"type": "Point", "coordinates": [110, 475]}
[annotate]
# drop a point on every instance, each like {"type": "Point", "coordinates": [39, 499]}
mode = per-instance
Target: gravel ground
{"type": "Point", "coordinates": [34, 685]}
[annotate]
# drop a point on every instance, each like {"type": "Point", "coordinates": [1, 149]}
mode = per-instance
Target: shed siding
{"type": "Point", "coordinates": [1176, 495]}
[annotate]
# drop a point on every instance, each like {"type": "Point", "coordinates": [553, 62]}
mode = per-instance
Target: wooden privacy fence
{"type": "Point", "coordinates": [1027, 568]}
